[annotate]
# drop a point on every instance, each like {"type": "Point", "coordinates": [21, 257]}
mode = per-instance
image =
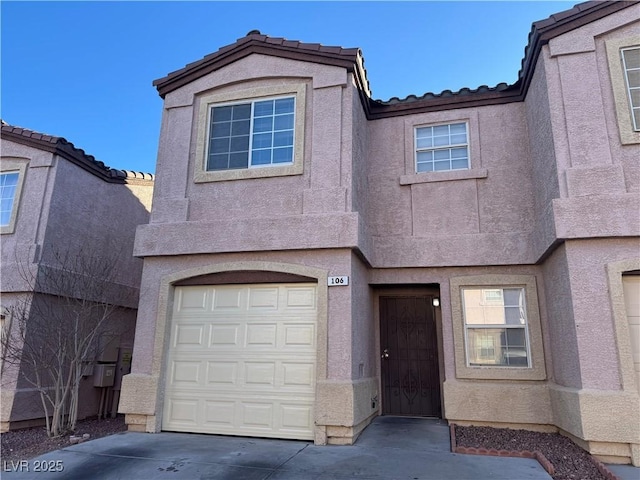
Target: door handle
{"type": "Point", "coordinates": [385, 353]}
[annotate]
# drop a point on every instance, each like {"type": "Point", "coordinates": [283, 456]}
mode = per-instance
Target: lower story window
{"type": "Point", "coordinates": [495, 324]}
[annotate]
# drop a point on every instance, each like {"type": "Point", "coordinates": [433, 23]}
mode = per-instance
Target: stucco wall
{"type": "Point", "coordinates": [591, 300]}
{"type": "Point", "coordinates": [92, 217]}
{"type": "Point", "coordinates": [64, 210]}
{"type": "Point", "coordinates": [543, 161]}
{"type": "Point", "coordinates": [19, 248]}
{"type": "Point", "coordinates": [598, 174]}
{"type": "Point", "coordinates": [421, 220]}
{"type": "Point", "coordinates": [26, 403]}
{"type": "Point", "coordinates": [363, 344]}
{"type": "Point", "coordinates": [322, 187]}
{"type": "Point", "coordinates": [562, 329]}
{"type": "Point", "coordinates": [362, 196]}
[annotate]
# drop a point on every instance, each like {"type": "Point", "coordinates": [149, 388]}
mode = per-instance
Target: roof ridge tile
{"type": "Point", "coordinates": [502, 86]}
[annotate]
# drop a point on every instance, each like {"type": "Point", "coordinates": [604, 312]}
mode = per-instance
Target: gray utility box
{"type": "Point", "coordinates": [104, 374]}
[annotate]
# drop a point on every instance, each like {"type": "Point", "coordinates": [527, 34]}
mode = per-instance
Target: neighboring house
{"type": "Point", "coordinates": [316, 257]}
{"type": "Point", "coordinates": [59, 201]}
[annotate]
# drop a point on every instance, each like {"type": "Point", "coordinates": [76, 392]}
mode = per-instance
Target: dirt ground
{"type": "Point", "coordinates": [32, 442]}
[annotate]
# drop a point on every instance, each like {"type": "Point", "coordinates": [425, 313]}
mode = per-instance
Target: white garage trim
{"type": "Point", "coordinates": [242, 359]}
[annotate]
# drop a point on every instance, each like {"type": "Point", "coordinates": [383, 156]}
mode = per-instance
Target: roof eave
{"type": "Point", "coordinates": [383, 110]}
{"type": "Point", "coordinates": [64, 149]}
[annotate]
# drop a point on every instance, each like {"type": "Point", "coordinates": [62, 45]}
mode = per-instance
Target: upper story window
{"type": "Point", "coordinates": [495, 323]}
{"type": "Point", "coordinates": [8, 187]}
{"type": "Point", "coordinates": [631, 66]}
{"type": "Point", "coordinates": [251, 134]}
{"type": "Point", "coordinates": [254, 132]}
{"type": "Point", "coordinates": [623, 59]}
{"type": "Point", "coordinates": [442, 147]}
{"type": "Point", "coordinates": [11, 182]}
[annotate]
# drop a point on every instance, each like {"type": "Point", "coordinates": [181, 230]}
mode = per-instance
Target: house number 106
{"type": "Point", "coordinates": [338, 281]}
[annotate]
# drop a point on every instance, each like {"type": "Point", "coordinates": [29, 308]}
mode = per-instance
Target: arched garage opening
{"type": "Point", "coordinates": [243, 350]}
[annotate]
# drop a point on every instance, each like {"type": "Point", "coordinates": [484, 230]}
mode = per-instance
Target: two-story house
{"type": "Point", "coordinates": [59, 205]}
{"type": "Point", "coordinates": [316, 257]}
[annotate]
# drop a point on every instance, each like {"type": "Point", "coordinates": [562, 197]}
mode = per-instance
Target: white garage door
{"type": "Point", "coordinates": [631, 284]}
{"type": "Point", "coordinates": [242, 360]}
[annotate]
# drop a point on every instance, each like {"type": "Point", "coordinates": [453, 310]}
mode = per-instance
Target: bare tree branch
{"type": "Point", "coordinates": [55, 330]}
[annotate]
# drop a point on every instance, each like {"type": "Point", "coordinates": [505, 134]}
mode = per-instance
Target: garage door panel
{"type": "Point", "coordinates": [262, 416]}
{"type": "Point", "coordinates": [301, 297]}
{"type": "Point", "coordinates": [257, 415]}
{"type": "Point", "coordinates": [261, 335]}
{"type": "Point", "coordinates": [183, 411]}
{"type": "Point", "coordinates": [260, 373]}
{"type": "Point", "coordinates": [296, 417]}
{"type": "Point", "coordinates": [225, 335]}
{"type": "Point", "coordinates": [298, 334]}
{"type": "Point", "coordinates": [228, 299]}
{"type": "Point", "coordinates": [193, 300]}
{"type": "Point", "coordinates": [263, 299]}
{"type": "Point", "coordinates": [189, 335]}
{"type": "Point", "coordinates": [247, 365]}
{"type": "Point", "coordinates": [631, 286]}
{"type": "Point", "coordinates": [186, 372]}
{"type": "Point", "coordinates": [220, 413]}
{"type": "Point", "coordinates": [222, 373]}
{"type": "Point", "coordinates": [298, 374]}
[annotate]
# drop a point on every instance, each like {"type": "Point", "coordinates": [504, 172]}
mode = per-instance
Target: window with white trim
{"type": "Point", "coordinates": [12, 175]}
{"type": "Point", "coordinates": [258, 133]}
{"type": "Point", "coordinates": [8, 188]}
{"type": "Point", "coordinates": [495, 326]}
{"type": "Point", "coordinates": [442, 147]}
{"type": "Point", "coordinates": [631, 67]}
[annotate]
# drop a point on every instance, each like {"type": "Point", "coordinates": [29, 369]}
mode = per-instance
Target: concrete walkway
{"type": "Point", "coordinates": [390, 448]}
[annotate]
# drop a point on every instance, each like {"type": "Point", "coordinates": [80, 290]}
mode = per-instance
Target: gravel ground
{"type": "Point", "coordinates": [569, 460]}
{"type": "Point", "coordinates": [32, 442]}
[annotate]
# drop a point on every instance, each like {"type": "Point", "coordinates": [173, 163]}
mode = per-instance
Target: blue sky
{"type": "Point", "coordinates": [83, 70]}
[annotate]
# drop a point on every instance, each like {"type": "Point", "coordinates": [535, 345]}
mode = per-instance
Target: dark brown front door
{"type": "Point", "coordinates": [409, 348]}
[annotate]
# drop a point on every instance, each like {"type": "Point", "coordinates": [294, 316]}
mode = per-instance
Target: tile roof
{"type": "Point", "coordinates": [541, 32]}
{"type": "Point", "coordinates": [60, 146]}
{"type": "Point", "coordinates": [352, 59]}
{"type": "Point", "coordinates": [562, 22]}
{"type": "Point", "coordinates": [256, 42]}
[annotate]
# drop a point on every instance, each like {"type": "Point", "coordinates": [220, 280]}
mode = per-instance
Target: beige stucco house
{"type": "Point", "coordinates": [59, 202]}
{"type": "Point", "coordinates": [316, 258]}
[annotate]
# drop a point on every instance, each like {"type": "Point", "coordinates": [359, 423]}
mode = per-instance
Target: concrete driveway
{"type": "Point", "coordinates": [390, 448]}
